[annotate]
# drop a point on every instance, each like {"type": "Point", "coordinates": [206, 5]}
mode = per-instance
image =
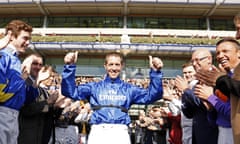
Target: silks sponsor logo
{"type": "Point", "coordinates": [112, 96]}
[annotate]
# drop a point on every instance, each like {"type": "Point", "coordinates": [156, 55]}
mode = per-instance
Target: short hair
{"type": "Point", "coordinates": [117, 54]}
{"type": "Point", "coordinates": [16, 26]}
{"type": "Point", "coordinates": [229, 39]}
{"type": "Point", "coordinates": [186, 65]}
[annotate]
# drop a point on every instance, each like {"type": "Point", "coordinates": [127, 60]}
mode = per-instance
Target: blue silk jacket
{"type": "Point", "coordinates": [12, 87]}
{"type": "Point", "coordinates": [113, 96]}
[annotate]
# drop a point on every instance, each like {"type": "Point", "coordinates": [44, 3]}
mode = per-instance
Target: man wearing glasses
{"type": "Point", "coordinates": [203, 132]}
{"type": "Point", "coordinates": [227, 55]}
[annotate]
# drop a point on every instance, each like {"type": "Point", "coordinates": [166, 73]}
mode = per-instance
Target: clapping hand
{"type": "Point", "coordinates": [26, 68]}
{"type": "Point", "coordinates": [181, 83]}
{"type": "Point", "coordinates": [209, 77]}
{"type": "Point", "coordinates": [42, 75]}
{"type": "Point", "coordinates": [62, 102]}
{"type": "Point", "coordinates": [5, 40]}
{"type": "Point", "coordinates": [203, 91]}
{"type": "Point", "coordinates": [53, 96]}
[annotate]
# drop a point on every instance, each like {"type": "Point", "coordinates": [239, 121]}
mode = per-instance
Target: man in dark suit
{"type": "Point", "coordinates": [229, 84]}
{"type": "Point", "coordinates": [203, 132]}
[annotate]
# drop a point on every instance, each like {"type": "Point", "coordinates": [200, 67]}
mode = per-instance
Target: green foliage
{"type": "Point", "coordinates": [173, 40]}
{"type": "Point", "coordinates": [88, 38]}
{"type": "Point", "coordinates": [117, 39]}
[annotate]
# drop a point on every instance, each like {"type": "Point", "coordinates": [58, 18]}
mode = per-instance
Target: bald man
{"type": "Point", "coordinates": [203, 132]}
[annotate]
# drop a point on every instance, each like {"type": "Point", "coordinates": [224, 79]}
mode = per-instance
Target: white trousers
{"type": "Point", "coordinates": [109, 134]}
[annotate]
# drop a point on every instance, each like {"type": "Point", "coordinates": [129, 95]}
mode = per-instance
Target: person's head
{"type": "Point", "coordinates": [21, 34]}
{"type": "Point", "coordinates": [188, 72]}
{"type": "Point", "coordinates": [201, 59]}
{"type": "Point", "coordinates": [113, 64]}
{"type": "Point", "coordinates": [227, 53]}
{"type": "Point", "coordinates": [35, 62]}
{"type": "Point", "coordinates": [155, 111]}
{"type": "Point", "coordinates": [236, 21]}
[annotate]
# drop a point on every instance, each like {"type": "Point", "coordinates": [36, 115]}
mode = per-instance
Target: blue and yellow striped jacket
{"type": "Point", "coordinates": [13, 89]}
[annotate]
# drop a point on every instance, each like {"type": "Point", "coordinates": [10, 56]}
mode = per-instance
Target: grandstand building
{"type": "Point", "coordinates": [94, 27]}
{"type": "Point", "coordinates": [125, 20]}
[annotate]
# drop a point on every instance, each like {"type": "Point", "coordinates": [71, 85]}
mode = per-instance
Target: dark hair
{"type": "Point", "coordinates": [186, 65]}
{"type": "Point", "coordinates": [229, 39]}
